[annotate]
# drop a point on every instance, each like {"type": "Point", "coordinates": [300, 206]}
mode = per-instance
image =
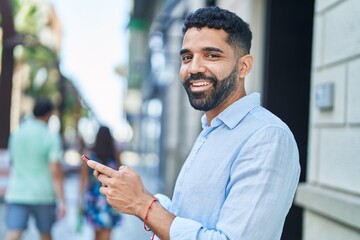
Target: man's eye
{"type": "Point", "coordinates": [212, 55]}
{"type": "Point", "coordinates": [186, 58]}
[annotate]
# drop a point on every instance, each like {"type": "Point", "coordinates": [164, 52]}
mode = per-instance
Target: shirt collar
{"type": "Point", "coordinates": [233, 114]}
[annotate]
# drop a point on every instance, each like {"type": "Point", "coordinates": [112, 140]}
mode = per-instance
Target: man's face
{"type": "Point", "coordinates": [209, 70]}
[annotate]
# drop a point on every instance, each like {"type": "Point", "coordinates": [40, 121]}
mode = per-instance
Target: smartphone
{"type": "Point", "coordinates": [84, 158]}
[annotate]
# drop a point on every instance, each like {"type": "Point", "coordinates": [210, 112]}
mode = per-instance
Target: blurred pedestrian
{"type": "Point", "coordinates": [98, 213]}
{"type": "Point", "coordinates": [240, 177]}
{"type": "Point", "coordinates": [35, 185]}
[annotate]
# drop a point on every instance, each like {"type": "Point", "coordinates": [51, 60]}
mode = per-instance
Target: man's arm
{"type": "Point", "coordinates": [54, 157]}
{"type": "Point", "coordinates": [260, 192]}
{"type": "Point", "coordinates": [126, 193]}
{"type": "Point", "coordinates": [58, 179]}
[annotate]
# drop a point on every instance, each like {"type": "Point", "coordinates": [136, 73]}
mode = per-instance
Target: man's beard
{"type": "Point", "coordinates": [210, 99]}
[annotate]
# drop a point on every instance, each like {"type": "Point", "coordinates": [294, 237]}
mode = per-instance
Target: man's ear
{"type": "Point", "coordinates": [245, 65]}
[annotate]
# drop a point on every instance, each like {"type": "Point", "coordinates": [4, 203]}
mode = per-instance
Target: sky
{"type": "Point", "coordinates": [94, 42]}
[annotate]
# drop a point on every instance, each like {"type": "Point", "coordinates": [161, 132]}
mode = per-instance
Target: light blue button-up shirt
{"type": "Point", "coordinates": [239, 179]}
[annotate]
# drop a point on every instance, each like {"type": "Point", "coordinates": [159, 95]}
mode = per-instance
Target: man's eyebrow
{"type": "Point", "coordinates": [183, 51]}
{"type": "Point", "coordinates": [205, 49]}
{"type": "Point", "coordinates": [212, 49]}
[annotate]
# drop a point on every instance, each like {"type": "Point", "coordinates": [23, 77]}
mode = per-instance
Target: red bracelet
{"type": "Point", "coordinates": [146, 216]}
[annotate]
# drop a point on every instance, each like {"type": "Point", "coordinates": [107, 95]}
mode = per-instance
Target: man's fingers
{"type": "Point", "coordinates": [102, 178]}
{"type": "Point", "coordinates": [101, 168]}
{"type": "Point", "coordinates": [102, 190]}
{"type": "Point", "coordinates": [96, 173]}
{"type": "Point", "coordinates": [124, 169]}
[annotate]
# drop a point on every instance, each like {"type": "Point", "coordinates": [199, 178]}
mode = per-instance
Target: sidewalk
{"type": "Point", "coordinates": [131, 228]}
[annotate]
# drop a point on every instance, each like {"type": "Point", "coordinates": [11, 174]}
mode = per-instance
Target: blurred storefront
{"type": "Point", "coordinates": [31, 40]}
{"type": "Point", "coordinates": [35, 48]}
{"type": "Point", "coordinates": [29, 64]}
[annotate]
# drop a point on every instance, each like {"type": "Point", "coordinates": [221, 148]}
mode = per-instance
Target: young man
{"type": "Point", "coordinates": [239, 179]}
{"type": "Point", "coordinates": [36, 181]}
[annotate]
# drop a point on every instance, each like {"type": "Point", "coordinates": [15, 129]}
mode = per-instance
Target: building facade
{"type": "Point", "coordinates": [331, 193]}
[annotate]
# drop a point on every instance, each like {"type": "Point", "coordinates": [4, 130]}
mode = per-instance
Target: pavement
{"type": "Point", "coordinates": [65, 229]}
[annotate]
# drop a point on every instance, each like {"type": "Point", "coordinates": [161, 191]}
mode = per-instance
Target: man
{"type": "Point", "coordinates": [239, 179]}
{"type": "Point", "coordinates": [36, 180]}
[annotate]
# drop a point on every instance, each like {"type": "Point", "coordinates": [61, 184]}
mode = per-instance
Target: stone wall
{"type": "Point", "coordinates": [331, 195]}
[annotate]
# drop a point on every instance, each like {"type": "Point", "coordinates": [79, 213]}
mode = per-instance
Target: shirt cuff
{"type": "Point", "coordinates": [184, 228]}
{"type": "Point", "coordinates": [163, 200]}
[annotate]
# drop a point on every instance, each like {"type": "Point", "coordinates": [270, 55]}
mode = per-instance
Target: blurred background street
{"type": "Point", "coordinates": [131, 228]}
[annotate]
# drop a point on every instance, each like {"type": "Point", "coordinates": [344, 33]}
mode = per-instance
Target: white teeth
{"type": "Point", "coordinates": [199, 84]}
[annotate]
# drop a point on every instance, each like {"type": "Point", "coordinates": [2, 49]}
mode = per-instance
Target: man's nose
{"type": "Point", "coordinates": [196, 66]}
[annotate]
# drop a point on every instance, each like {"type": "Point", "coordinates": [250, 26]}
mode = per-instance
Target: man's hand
{"type": "Point", "coordinates": [124, 189]}
{"type": "Point", "coordinates": [125, 192]}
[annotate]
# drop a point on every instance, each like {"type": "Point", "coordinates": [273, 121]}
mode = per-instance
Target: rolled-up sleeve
{"type": "Point", "coordinates": [164, 200]}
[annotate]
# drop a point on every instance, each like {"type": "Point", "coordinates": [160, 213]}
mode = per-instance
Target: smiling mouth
{"type": "Point", "coordinates": [200, 85]}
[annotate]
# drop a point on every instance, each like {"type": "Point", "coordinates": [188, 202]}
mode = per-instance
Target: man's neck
{"type": "Point", "coordinates": [44, 119]}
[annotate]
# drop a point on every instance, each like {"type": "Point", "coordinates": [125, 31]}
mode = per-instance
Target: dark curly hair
{"type": "Point", "coordinates": [239, 33]}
